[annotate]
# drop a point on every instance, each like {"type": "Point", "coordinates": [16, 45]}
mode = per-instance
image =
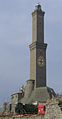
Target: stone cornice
{"type": "Point", "coordinates": [39, 12]}
{"type": "Point", "coordinates": [38, 45]}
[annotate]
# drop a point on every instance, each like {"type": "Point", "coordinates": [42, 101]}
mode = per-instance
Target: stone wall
{"type": "Point", "coordinates": [23, 117]}
{"type": "Point", "coordinates": [53, 111]}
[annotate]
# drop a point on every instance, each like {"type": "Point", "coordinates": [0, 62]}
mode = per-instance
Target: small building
{"type": "Point", "coordinates": [15, 99]}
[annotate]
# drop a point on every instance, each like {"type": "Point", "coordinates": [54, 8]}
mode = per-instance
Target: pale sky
{"type": "Point", "coordinates": [15, 37]}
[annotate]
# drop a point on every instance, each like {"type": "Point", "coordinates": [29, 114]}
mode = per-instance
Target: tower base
{"type": "Point", "coordinates": [41, 94]}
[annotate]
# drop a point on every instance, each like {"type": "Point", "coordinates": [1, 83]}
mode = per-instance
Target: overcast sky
{"type": "Point", "coordinates": [15, 37]}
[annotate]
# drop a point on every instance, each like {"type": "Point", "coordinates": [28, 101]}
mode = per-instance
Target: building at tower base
{"type": "Point", "coordinates": [40, 94]}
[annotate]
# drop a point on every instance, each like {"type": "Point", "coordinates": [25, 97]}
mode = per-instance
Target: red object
{"type": "Point", "coordinates": [41, 109]}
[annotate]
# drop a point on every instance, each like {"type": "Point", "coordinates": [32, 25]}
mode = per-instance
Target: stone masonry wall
{"type": "Point", "coordinates": [53, 111]}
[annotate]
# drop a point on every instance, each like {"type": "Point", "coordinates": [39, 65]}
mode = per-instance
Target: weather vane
{"type": "Point", "coordinates": [38, 5]}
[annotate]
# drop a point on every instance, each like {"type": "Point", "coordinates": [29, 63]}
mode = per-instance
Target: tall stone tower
{"type": "Point", "coordinates": [38, 49]}
{"type": "Point", "coordinates": [36, 88]}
